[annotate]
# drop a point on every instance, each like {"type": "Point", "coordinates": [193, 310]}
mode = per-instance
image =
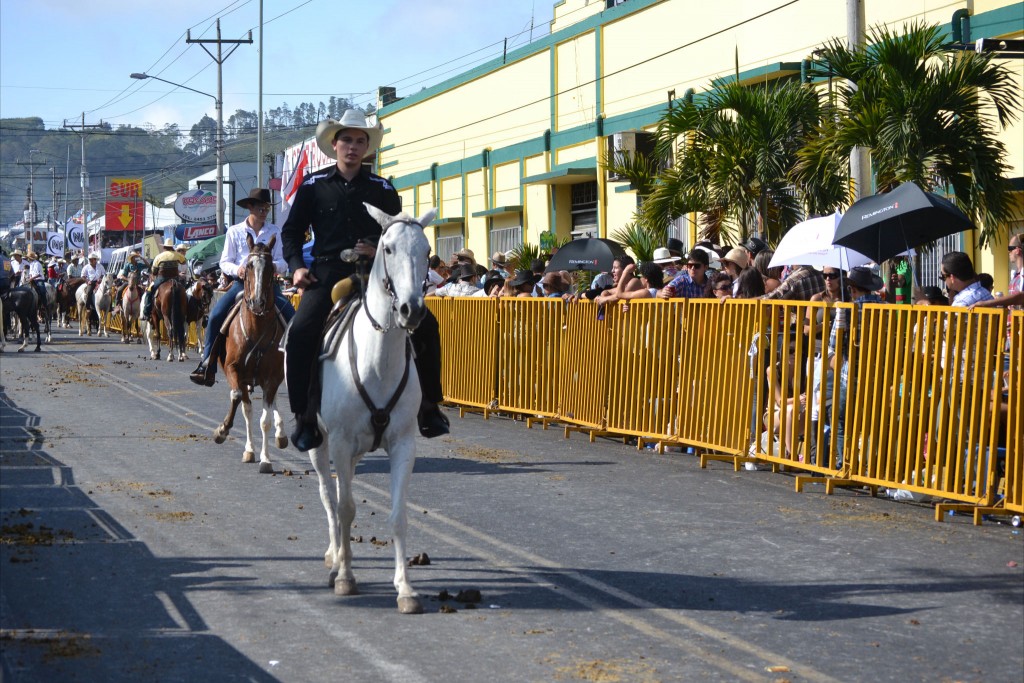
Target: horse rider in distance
{"type": "Point", "coordinates": [233, 261]}
{"type": "Point", "coordinates": [165, 267]}
{"type": "Point", "coordinates": [33, 274]}
{"type": "Point", "coordinates": [330, 203]}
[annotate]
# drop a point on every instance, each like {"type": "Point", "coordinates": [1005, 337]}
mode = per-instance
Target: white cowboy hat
{"type": "Point", "coordinates": [169, 242]}
{"type": "Point", "coordinates": [181, 247]}
{"type": "Point", "coordinates": [663, 255]}
{"type": "Point", "coordinates": [94, 255]}
{"type": "Point", "coordinates": [352, 118]}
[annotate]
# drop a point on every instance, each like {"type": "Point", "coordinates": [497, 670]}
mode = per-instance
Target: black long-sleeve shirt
{"type": "Point", "coordinates": [334, 208]}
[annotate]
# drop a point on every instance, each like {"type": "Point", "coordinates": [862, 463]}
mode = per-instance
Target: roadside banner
{"type": "Point", "coordinates": [54, 244]}
{"type": "Point", "coordinates": [76, 235]}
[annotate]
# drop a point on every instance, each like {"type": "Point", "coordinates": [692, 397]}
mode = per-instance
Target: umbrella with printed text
{"type": "Point", "coordinates": [809, 243]}
{"type": "Point", "coordinates": [884, 225]}
{"type": "Point", "coordinates": [592, 253]}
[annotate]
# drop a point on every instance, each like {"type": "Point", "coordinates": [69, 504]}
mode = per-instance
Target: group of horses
{"type": "Point", "coordinates": [23, 310]}
{"type": "Point", "coordinates": [371, 393]}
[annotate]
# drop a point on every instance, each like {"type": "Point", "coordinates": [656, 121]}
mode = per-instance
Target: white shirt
{"type": "Point", "coordinates": [16, 266]}
{"type": "Point", "coordinates": [94, 274]}
{"type": "Point", "coordinates": [34, 272]}
{"type": "Point", "coordinates": [434, 280]}
{"type": "Point", "coordinates": [236, 249]}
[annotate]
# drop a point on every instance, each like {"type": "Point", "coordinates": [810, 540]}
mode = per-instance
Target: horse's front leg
{"type": "Point", "coordinates": [329, 499]}
{"type": "Point", "coordinates": [402, 456]}
{"type": "Point", "coordinates": [249, 455]}
{"type": "Point", "coordinates": [49, 337]}
{"type": "Point", "coordinates": [345, 468]}
{"type": "Point", "coordinates": [221, 432]}
{"type": "Point", "coordinates": [152, 334]}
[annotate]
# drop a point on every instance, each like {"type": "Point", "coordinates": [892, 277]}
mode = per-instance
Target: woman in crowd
{"type": "Point", "coordinates": [772, 276]}
{"type": "Point", "coordinates": [722, 286]}
{"type": "Point", "coordinates": [750, 284]}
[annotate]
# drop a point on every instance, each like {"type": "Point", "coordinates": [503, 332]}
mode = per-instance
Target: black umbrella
{"type": "Point", "coordinates": [884, 225]}
{"type": "Point", "coordinates": [593, 253]}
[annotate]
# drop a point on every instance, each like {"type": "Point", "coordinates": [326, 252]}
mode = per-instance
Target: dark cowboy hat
{"type": "Point", "coordinates": [493, 276]}
{"type": "Point", "coordinates": [259, 195]}
{"type": "Point", "coordinates": [523, 277]}
{"type": "Point", "coordinates": [862, 278]}
{"type": "Point", "coordinates": [755, 245]}
{"type": "Point", "coordinates": [675, 246]}
{"type": "Point", "coordinates": [463, 271]}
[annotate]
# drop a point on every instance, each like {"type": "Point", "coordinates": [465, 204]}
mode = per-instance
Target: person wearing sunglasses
{"type": "Point", "coordinates": [692, 281]}
{"type": "Point", "coordinates": [958, 276]}
{"type": "Point", "coordinates": [1014, 297]}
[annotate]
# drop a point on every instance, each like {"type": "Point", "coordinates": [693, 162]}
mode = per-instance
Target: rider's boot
{"type": "Point", "coordinates": [206, 373]}
{"type": "Point", "coordinates": [306, 434]}
{"type": "Point", "coordinates": [432, 421]}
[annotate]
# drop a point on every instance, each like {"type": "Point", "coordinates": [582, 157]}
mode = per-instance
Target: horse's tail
{"type": "Point", "coordinates": [178, 313]}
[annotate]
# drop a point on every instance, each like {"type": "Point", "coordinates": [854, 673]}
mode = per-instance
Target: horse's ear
{"type": "Point", "coordinates": [377, 215]}
{"type": "Point", "coordinates": [270, 244]}
{"type": "Point", "coordinates": [426, 218]}
{"type": "Point", "coordinates": [249, 241]}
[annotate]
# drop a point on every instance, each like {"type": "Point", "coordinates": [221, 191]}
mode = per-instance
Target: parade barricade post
{"type": "Point", "coordinates": [583, 370]}
{"type": "Point", "coordinates": [469, 350]}
{"type": "Point", "coordinates": [529, 349]}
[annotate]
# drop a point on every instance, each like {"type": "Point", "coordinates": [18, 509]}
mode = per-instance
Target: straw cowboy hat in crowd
{"type": "Point", "coordinates": [257, 195]}
{"type": "Point", "coordinates": [168, 243]}
{"type": "Point", "coordinates": [181, 247]}
{"type": "Point", "coordinates": [17, 252]}
{"type": "Point", "coordinates": [31, 255]}
{"type": "Point", "coordinates": [327, 129]}
{"type": "Point", "coordinates": [499, 259]}
{"type": "Point", "coordinates": [737, 257]}
{"type": "Point", "coordinates": [663, 255]}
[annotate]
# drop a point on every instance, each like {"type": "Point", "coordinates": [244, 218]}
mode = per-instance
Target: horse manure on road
{"type": "Point", "coordinates": [419, 560]}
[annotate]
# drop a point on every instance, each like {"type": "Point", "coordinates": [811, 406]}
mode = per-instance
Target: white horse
{"type": "Point", "coordinates": [131, 308]}
{"type": "Point", "coordinates": [372, 373]}
{"type": "Point", "coordinates": [101, 301]}
{"type": "Point", "coordinates": [82, 304]}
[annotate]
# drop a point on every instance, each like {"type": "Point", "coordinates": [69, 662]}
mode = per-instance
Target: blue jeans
{"type": "Point", "coordinates": [223, 306]}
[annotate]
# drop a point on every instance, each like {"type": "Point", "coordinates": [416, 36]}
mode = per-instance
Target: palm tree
{"type": "Point", "coordinates": [925, 114]}
{"type": "Point", "coordinates": [733, 163]}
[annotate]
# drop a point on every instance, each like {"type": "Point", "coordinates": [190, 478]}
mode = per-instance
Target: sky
{"type": "Point", "coordinates": [62, 58]}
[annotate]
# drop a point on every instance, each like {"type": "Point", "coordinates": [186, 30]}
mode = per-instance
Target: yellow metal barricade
{"type": "Point", "coordinates": [797, 392]}
{"type": "Point", "coordinates": [1013, 401]}
{"type": "Point", "coordinates": [583, 368]}
{"type": "Point", "coordinates": [716, 402]}
{"type": "Point", "coordinates": [922, 400]}
{"type": "Point", "coordinates": [647, 350]}
{"type": "Point", "coordinates": [529, 347]}
{"type": "Point", "coordinates": [469, 347]}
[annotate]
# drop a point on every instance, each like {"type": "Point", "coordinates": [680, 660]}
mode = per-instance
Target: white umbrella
{"type": "Point", "coordinates": [810, 244]}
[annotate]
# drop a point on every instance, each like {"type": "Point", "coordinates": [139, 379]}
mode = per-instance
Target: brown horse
{"type": "Point", "coordinates": [66, 300]}
{"type": "Point", "coordinates": [131, 306]}
{"type": "Point", "coordinates": [200, 294]}
{"type": "Point", "coordinates": [168, 306]}
{"type": "Point", "coordinates": [251, 357]}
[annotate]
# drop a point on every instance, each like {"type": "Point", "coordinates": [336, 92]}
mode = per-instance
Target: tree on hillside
{"type": "Point", "coordinates": [202, 137]}
{"type": "Point", "coordinates": [925, 114]}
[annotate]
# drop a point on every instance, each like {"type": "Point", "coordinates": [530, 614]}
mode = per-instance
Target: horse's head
{"type": "Point", "coordinates": [400, 266]}
{"type": "Point", "coordinates": [259, 276]}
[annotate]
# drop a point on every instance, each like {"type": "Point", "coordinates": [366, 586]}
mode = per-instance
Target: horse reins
{"type": "Point", "coordinates": [380, 418]}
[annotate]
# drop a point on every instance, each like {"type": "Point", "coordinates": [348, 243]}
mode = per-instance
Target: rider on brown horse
{"type": "Point", "coordinates": [165, 267]}
{"type": "Point", "coordinates": [93, 273]}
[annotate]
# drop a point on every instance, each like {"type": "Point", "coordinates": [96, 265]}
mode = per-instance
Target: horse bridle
{"type": "Point", "coordinates": [380, 418]}
{"type": "Point", "coordinates": [388, 283]}
{"type": "Point", "coordinates": [248, 302]}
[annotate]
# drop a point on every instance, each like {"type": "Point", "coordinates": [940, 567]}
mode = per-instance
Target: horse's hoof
{"type": "Point", "coordinates": [266, 468]}
{"type": "Point", "coordinates": [282, 442]}
{"type": "Point", "coordinates": [218, 436]}
{"type": "Point", "coordinates": [248, 456]}
{"type": "Point", "coordinates": [407, 605]}
{"type": "Point", "coordinates": [20, 350]}
{"type": "Point", "coordinates": [39, 349]}
{"type": "Point", "coordinates": [331, 578]}
{"type": "Point", "coordinates": [345, 587]}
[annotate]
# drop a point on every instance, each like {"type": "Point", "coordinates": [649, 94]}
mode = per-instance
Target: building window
{"type": "Point", "coordinates": [584, 210]}
{"type": "Point", "coordinates": [446, 246]}
{"type": "Point", "coordinates": [506, 239]}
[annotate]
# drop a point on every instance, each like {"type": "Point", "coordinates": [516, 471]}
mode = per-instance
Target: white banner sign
{"type": "Point", "coordinates": [76, 235]}
{"type": "Point", "coordinates": [300, 160]}
{"type": "Point", "coordinates": [54, 244]}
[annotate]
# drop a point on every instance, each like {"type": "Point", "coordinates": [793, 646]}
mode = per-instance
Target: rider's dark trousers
{"type": "Point", "coordinates": [304, 335]}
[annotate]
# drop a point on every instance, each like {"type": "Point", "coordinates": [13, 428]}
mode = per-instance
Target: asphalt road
{"type": "Point", "coordinates": [135, 549]}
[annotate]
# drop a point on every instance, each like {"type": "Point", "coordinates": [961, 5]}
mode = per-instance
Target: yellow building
{"type": "Point", "coordinates": [510, 150]}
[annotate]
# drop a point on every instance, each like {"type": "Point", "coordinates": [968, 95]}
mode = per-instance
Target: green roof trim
{"type": "Point", "coordinates": [499, 210]}
{"type": "Point", "coordinates": [628, 187]}
{"type": "Point", "coordinates": [385, 148]}
{"type": "Point", "coordinates": [388, 164]}
{"type": "Point", "coordinates": [454, 220]}
{"type": "Point", "coordinates": [997, 23]}
{"type": "Point", "coordinates": [761, 73]}
{"type": "Point", "coordinates": [566, 174]}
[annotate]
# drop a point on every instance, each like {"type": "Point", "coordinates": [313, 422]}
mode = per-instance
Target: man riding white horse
{"type": "Point", "coordinates": [93, 273]}
{"type": "Point", "coordinates": [331, 202]}
{"type": "Point", "coordinates": [233, 261]}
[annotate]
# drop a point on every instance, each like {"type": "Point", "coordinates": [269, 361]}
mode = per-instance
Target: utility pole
{"type": "Point", "coordinates": [219, 58]}
{"type": "Point", "coordinates": [30, 200]}
{"type": "Point", "coordinates": [82, 129]}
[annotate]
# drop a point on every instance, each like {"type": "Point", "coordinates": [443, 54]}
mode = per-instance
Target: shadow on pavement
{"type": "Point", "coordinates": [80, 597]}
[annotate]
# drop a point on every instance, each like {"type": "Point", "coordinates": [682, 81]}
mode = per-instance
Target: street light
{"type": "Point", "coordinates": [219, 143]}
